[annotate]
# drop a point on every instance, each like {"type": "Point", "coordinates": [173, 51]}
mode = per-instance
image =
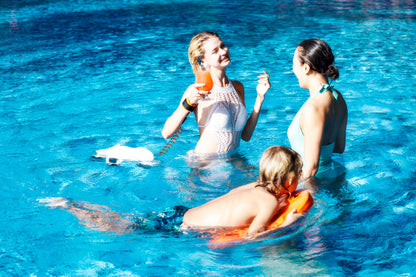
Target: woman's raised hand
{"type": "Point", "coordinates": [263, 84]}
{"type": "Point", "coordinates": [197, 95]}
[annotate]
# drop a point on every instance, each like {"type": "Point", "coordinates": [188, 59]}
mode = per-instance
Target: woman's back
{"type": "Point", "coordinates": [335, 117]}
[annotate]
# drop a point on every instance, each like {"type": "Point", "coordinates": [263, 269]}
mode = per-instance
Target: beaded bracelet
{"type": "Point", "coordinates": [188, 106]}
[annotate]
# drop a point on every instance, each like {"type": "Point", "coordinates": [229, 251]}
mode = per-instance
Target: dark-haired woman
{"type": "Point", "coordinates": [319, 127]}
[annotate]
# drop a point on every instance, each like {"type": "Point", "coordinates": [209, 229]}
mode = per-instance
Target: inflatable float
{"type": "Point", "coordinates": [117, 154]}
{"type": "Point", "coordinates": [301, 200]}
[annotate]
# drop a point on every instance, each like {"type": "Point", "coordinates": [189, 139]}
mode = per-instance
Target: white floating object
{"type": "Point", "coordinates": [117, 154]}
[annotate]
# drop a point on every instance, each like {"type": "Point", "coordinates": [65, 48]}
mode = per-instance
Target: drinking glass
{"type": "Point", "coordinates": [203, 76]}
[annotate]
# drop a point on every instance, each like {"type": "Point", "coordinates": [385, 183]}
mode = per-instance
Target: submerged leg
{"type": "Point", "coordinates": [94, 216]}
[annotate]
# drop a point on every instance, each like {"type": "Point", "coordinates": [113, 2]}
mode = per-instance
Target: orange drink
{"type": "Point", "coordinates": [204, 77]}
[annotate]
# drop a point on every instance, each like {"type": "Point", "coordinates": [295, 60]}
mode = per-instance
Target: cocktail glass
{"type": "Point", "coordinates": [203, 80]}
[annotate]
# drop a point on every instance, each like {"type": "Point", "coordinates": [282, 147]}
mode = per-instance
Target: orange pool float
{"type": "Point", "coordinates": [301, 200]}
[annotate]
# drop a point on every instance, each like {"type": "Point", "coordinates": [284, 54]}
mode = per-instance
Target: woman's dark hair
{"type": "Point", "coordinates": [318, 55]}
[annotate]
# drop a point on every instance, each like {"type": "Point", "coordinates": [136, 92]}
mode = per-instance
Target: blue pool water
{"type": "Point", "coordinates": [78, 76]}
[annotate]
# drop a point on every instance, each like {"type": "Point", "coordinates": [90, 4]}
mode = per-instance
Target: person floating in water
{"type": "Point", "coordinates": [253, 205]}
{"type": "Point", "coordinates": [319, 127]}
{"type": "Point", "coordinates": [221, 114]}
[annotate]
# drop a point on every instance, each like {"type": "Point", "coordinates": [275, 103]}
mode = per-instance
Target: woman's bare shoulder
{"type": "Point", "coordinates": [245, 187]}
{"type": "Point", "coordinates": [239, 87]}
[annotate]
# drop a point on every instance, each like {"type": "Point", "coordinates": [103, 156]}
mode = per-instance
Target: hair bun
{"type": "Point", "coordinates": [332, 72]}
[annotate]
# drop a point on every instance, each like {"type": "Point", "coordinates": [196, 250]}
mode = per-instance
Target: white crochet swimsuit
{"type": "Point", "coordinates": [227, 118]}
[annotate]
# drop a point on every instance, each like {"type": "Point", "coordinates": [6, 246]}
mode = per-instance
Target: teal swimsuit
{"type": "Point", "coordinates": [295, 134]}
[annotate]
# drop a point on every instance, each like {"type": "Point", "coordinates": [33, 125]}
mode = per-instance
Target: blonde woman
{"type": "Point", "coordinates": [254, 205]}
{"type": "Point", "coordinates": [221, 113]}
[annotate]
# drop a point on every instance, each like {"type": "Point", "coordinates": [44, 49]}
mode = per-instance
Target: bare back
{"type": "Point", "coordinates": [322, 122]}
{"type": "Point", "coordinates": [239, 208]}
{"type": "Point", "coordinates": [335, 119]}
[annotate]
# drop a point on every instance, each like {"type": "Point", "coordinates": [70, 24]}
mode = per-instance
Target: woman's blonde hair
{"type": "Point", "coordinates": [196, 50]}
{"type": "Point", "coordinates": [277, 165]}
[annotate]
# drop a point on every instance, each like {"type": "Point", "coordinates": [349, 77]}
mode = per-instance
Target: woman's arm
{"type": "Point", "coordinates": [312, 123]}
{"type": "Point", "coordinates": [262, 87]}
{"type": "Point", "coordinates": [262, 219]}
{"type": "Point", "coordinates": [262, 230]}
{"type": "Point", "coordinates": [174, 122]}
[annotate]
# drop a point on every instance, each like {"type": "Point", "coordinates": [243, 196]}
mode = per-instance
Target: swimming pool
{"type": "Point", "coordinates": [82, 76]}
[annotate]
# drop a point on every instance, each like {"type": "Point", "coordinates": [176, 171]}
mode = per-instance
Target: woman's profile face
{"type": "Point", "coordinates": [216, 53]}
{"type": "Point", "coordinates": [298, 68]}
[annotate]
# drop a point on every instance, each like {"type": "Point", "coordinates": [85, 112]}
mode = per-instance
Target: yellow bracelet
{"type": "Point", "coordinates": [187, 106]}
{"type": "Point", "coordinates": [190, 104]}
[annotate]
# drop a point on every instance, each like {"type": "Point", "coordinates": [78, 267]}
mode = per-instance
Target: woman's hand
{"type": "Point", "coordinates": [263, 84]}
{"type": "Point", "coordinates": [197, 95]}
{"type": "Point", "coordinates": [293, 215]}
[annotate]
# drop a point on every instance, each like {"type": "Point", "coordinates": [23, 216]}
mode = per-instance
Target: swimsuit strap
{"type": "Point", "coordinates": [326, 87]}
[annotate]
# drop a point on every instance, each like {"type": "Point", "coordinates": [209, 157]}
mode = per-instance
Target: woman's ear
{"type": "Point", "coordinates": [307, 68]}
